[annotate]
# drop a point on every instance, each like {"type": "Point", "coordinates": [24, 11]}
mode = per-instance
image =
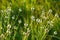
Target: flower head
{"type": "Point", "coordinates": [2, 35]}
{"type": "Point", "coordinates": [8, 32]}
{"type": "Point", "coordinates": [19, 21]}
{"type": "Point", "coordinates": [37, 20]}
{"type": "Point", "coordinates": [2, 11]}
{"type": "Point", "coordinates": [50, 10]}
{"type": "Point", "coordinates": [32, 8]}
{"type": "Point", "coordinates": [33, 18]}
{"type": "Point", "coordinates": [28, 30]}
{"type": "Point", "coordinates": [20, 10]}
{"type": "Point", "coordinates": [50, 23]}
{"type": "Point", "coordinates": [13, 17]}
{"type": "Point", "coordinates": [25, 24]}
{"type": "Point", "coordinates": [56, 15]}
{"type": "Point", "coordinates": [1, 28]}
{"type": "Point", "coordinates": [55, 32]}
{"type": "Point", "coordinates": [43, 12]}
{"type": "Point", "coordinates": [46, 30]}
{"type": "Point", "coordinates": [15, 27]}
{"type": "Point", "coordinates": [44, 17]}
{"type": "Point", "coordinates": [6, 17]}
{"type": "Point", "coordinates": [8, 26]}
{"type": "Point", "coordinates": [24, 33]}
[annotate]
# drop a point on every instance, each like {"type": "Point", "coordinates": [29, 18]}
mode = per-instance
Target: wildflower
{"type": "Point", "coordinates": [19, 21]}
{"type": "Point", "coordinates": [13, 17]}
{"type": "Point", "coordinates": [50, 23]}
{"type": "Point", "coordinates": [8, 26]}
{"type": "Point", "coordinates": [28, 33]}
{"type": "Point", "coordinates": [37, 20]}
{"type": "Point", "coordinates": [50, 11]}
{"type": "Point", "coordinates": [6, 17]}
{"type": "Point", "coordinates": [10, 3]}
{"type": "Point", "coordinates": [46, 30]}
{"type": "Point", "coordinates": [33, 18]}
{"type": "Point", "coordinates": [43, 12]}
{"type": "Point", "coordinates": [28, 30]}
{"type": "Point", "coordinates": [15, 27]}
{"type": "Point", "coordinates": [20, 10]}
{"type": "Point", "coordinates": [32, 8]}
{"type": "Point", "coordinates": [8, 8]}
{"type": "Point", "coordinates": [8, 32]}
{"type": "Point", "coordinates": [56, 15]}
{"type": "Point", "coordinates": [2, 35]}
{"type": "Point", "coordinates": [2, 11]}
{"type": "Point", "coordinates": [24, 33]}
{"type": "Point", "coordinates": [55, 32]}
{"type": "Point", "coordinates": [25, 24]}
{"type": "Point", "coordinates": [42, 27]}
{"type": "Point", "coordinates": [44, 17]}
{"type": "Point", "coordinates": [1, 28]}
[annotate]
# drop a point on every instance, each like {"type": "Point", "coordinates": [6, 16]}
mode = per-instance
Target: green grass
{"type": "Point", "coordinates": [29, 19]}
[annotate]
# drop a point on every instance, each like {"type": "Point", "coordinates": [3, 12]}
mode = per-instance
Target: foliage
{"type": "Point", "coordinates": [29, 19]}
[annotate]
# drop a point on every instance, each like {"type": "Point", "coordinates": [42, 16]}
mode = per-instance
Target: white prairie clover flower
{"type": "Point", "coordinates": [37, 20]}
{"type": "Point", "coordinates": [13, 17]}
{"type": "Point", "coordinates": [46, 30]}
{"type": "Point", "coordinates": [43, 12]}
{"type": "Point", "coordinates": [6, 17]}
{"type": "Point", "coordinates": [33, 18]}
{"type": "Point", "coordinates": [8, 26]}
{"type": "Point", "coordinates": [15, 27]}
{"type": "Point", "coordinates": [42, 27]}
{"type": "Point", "coordinates": [10, 3]}
{"type": "Point", "coordinates": [20, 10]}
{"type": "Point", "coordinates": [1, 28]}
{"type": "Point", "coordinates": [56, 15]}
{"type": "Point", "coordinates": [55, 32]}
{"type": "Point", "coordinates": [2, 11]}
{"type": "Point", "coordinates": [8, 8]}
{"type": "Point", "coordinates": [25, 24]}
{"type": "Point", "coordinates": [50, 22]}
{"type": "Point", "coordinates": [44, 17]}
{"type": "Point", "coordinates": [32, 8]}
{"type": "Point", "coordinates": [19, 21]}
{"type": "Point", "coordinates": [28, 30]}
{"type": "Point", "coordinates": [2, 35]}
{"type": "Point", "coordinates": [24, 33]}
{"type": "Point", "coordinates": [50, 11]}
{"type": "Point", "coordinates": [8, 32]}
